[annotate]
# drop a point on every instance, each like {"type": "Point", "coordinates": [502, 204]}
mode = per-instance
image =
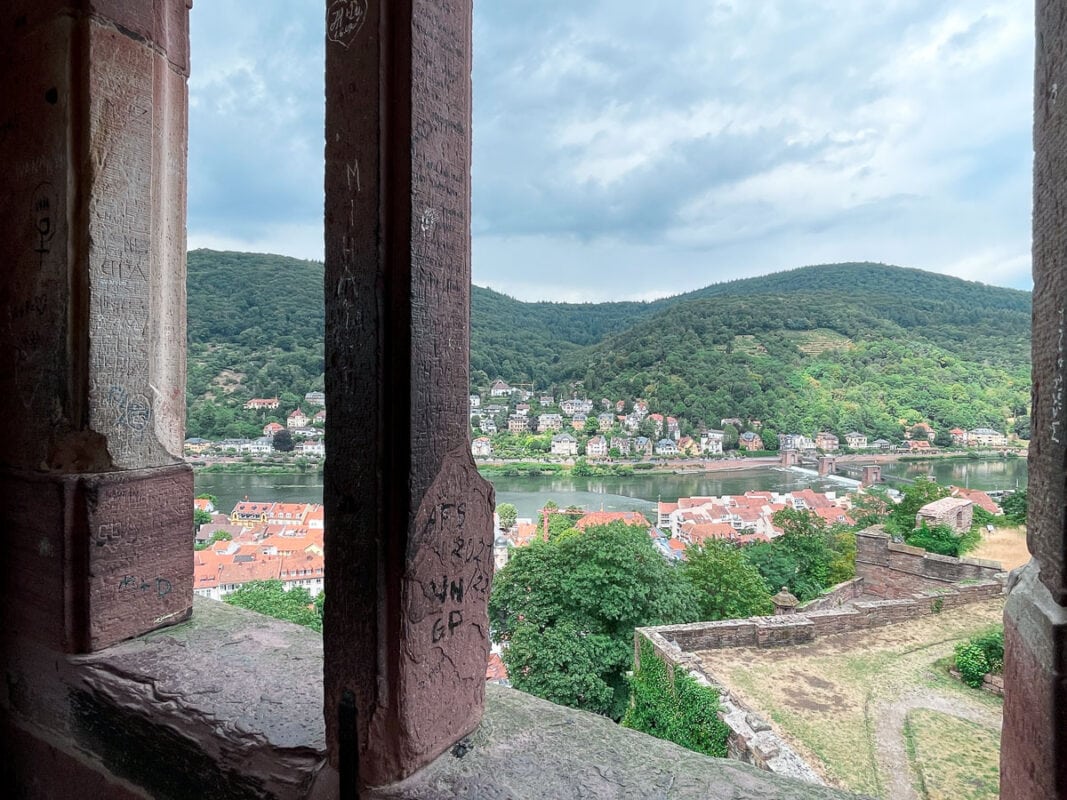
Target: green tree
{"type": "Point", "coordinates": [871, 507]}
{"type": "Point", "coordinates": [272, 599]}
{"type": "Point", "coordinates": [1014, 507]}
{"type": "Point", "coordinates": [1021, 427]}
{"type": "Point", "coordinates": [568, 608]}
{"type": "Point", "coordinates": [507, 514]}
{"type": "Point", "coordinates": [730, 438]}
{"type": "Point", "coordinates": [592, 425]}
{"type": "Point", "coordinates": [728, 586]}
{"type": "Point", "coordinates": [808, 557]}
{"type": "Point", "coordinates": [283, 441]}
{"type": "Point", "coordinates": [200, 517]}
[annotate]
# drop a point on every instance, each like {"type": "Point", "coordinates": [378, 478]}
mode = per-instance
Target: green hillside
{"type": "Point", "coordinates": [839, 347]}
{"type": "Point", "coordinates": [255, 330]}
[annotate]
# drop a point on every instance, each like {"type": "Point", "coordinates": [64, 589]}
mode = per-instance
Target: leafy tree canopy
{"type": "Point", "coordinates": [728, 586]}
{"type": "Point", "coordinates": [507, 514]}
{"type": "Point", "coordinates": [1014, 507]}
{"type": "Point", "coordinates": [568, 609]}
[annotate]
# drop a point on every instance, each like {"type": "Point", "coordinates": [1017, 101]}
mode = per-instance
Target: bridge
{"type": "Point", "coordinates": [870, 474]}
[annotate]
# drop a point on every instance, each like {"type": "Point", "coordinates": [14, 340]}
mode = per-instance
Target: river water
{"type": "Point", "coordinates": [639, 492]}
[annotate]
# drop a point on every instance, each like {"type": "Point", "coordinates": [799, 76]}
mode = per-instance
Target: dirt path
{"type": "Point", "coordinates": [889, 734]}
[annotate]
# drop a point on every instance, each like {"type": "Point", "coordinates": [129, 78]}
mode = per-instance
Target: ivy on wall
{"type": "Point", "coordinates": [679, 710]}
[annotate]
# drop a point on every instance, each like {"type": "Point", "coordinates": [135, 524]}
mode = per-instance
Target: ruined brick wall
{"type": "Point", "coordinates": [842, 593]}
{"type": "Point", "coordinates": [891, 570]}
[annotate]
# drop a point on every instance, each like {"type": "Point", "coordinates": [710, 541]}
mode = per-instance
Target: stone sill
{"type": "Point", "coordinates": [229, 705]}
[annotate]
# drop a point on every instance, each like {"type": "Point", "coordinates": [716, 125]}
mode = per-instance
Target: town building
{"type": "Point", "coordinates": [549, 422]}
{"type": "Point", "coordinates": [517, 423]}
{"type": "Point", "coordinates": [750, 440]}
{"type": "Point", "coordinates": [262, 404]}
{"type": "Point", "coordinates": [856, 440]}
{"type": "Point", "coordinates": [297, 419]}
{"type": "Point", "coordinates": [564, 444]}
{"type": "Point", "coordinates": [597, 447]}
{"type": "Point", "coordinates": [666, 447]}
{"type": "Point", "coordinates": [827, 442]}
{"type": "Point", "coordinates": [986, 437]}
{"type": "Point", "coordinates": [711, 442]}
{"type": "Point", "coordinates": [481, 447]}
{"type": "Point", "coordinates": [315, 398]}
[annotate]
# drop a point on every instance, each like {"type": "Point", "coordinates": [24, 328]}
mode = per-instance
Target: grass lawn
{"type": "Point", "coordinates": [842, 700]}
{"type": "Point", "coordinates": [1006, 545]}
{"type": "Point", "coordinates": [953, 758]}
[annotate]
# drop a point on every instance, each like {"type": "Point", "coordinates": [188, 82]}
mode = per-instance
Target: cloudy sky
{"type": "Point", "coordinates": [633, 149]}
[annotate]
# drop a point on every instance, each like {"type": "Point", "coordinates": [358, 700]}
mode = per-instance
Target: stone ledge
{"type": "Point", "coordinates": [530, 748]}
{"type": "Point", "coordinates": [230, 705]}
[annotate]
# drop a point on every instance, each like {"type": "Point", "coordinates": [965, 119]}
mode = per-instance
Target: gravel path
{"type": "Point", "coordinates": [889, 734]}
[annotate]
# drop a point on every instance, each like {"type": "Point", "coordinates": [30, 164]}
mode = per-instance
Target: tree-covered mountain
{"type": "Point", "coordinates": [255, 330]}
{"type": "Point", "coordinates": [837, 347]}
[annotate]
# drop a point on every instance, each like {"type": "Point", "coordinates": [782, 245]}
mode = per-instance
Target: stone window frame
{"type": "Point", "coordinates": [399, 63]}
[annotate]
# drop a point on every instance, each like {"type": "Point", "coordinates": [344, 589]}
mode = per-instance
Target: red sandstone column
{"type": "Point", "coordinates": [96, 512]}
{"type": "Point", "coordinates": [1034, 739]}
{"type": "Point", "coordinates": [408, 520]}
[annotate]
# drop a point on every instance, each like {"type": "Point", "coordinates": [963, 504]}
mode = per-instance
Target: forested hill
{"type": "Point", "coordinates": [834, 346]}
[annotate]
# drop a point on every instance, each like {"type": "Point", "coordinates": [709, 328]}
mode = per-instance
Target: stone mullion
{"type": "Point", "coordinates": [408, 520]}
{"type": "Point", "coordinates": [94, 311]}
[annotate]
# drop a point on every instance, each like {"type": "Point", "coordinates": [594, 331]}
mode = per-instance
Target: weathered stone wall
{"type": "Point", "coordinates": [802, 628]}
{"type": "Point", "coordinates": [92, 220]}
{"type": "Point", "coordinates": [836, 597]}
{"type": "Point", "coordinates": [892, 570]}
{"type": "Point", "coordinates": [751, 740]}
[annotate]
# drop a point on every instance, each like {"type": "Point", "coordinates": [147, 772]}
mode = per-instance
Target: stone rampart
{"type": "Point", "coordinates": [892, 570]}
{"type": "Point", "coordinates": [915, 584]}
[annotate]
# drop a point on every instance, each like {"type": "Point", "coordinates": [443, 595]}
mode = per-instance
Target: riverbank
{"type": "Point", "coordinates": [237, 466]}
{"type": "Point", "coordinates": [276, 465]}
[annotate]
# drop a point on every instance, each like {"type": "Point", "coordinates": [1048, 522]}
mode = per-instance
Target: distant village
{"type": "Point", "coordinates": [258, 541]}
{"type": "Point", "coordinates": [630, 429]}
{"type": "Point", "coordinates": [303, 431]}
{"type": "Point", "coordinates": [515, 422]}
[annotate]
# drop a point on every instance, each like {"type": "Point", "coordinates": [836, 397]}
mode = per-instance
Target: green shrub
{"type": "Point", "coordinates": [943, 540]}
{"type": "Point", "coordinates": [980, 655]}
{"type": "Point", "coordinates": [680, 711]}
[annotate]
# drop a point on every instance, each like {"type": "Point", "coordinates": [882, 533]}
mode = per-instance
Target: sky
{"type": "Point", "coordinates": [628, 149]}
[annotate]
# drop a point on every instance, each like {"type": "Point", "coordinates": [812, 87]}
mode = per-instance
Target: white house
{"type": "Point", "coordinates": [711, 442]}
{"type": "Point", "coordinates": [597, 447]}
{"type": "Point", "coordinates": [666, 447]}
{"type": "Point", "coordinates": [564, 444]}
{"type": "Point", "coordinates": [481, 447]}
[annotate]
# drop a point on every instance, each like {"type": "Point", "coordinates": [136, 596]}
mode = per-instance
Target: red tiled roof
{"type": "Point", "coordinates": [607, 517]}
{"type": "Point", "coordinates": [979, 498]}
{"type": "Point", "coordinates": [495, 670]}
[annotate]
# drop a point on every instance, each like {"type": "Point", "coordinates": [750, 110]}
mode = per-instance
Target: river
{"type": "Point", "coordinates": [638, 492]}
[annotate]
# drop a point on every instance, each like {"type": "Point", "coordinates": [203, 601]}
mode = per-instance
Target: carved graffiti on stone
{"type": "Point", "coordinates": [132, 411]}
{"type": "Point", "coordinates": [344, 19]}
{"type": "Point", "coordinates": [446, 588]}
{"type": "Point", "coordinates": [43, 210]}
